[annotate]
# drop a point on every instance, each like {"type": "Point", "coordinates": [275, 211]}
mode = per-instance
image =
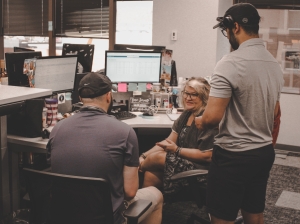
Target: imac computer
{"type": "Point", "coordinates": [21, 49]}
{"type": "Point", "coordinates": [133, 66]}
{"type": "Point", "coordinates": [128, 47]}
{"type": "Point", "coordinates": [56, 73]}
{"type": "Point", "coordinates": [14, 66]}
{"type": "Point", "coordinates": [85, 54]}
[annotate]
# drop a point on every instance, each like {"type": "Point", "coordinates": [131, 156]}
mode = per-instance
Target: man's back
{"type": "Point", "coordinates": [94, 144]}
{"type": "Point", "coordinates": [253, 79]}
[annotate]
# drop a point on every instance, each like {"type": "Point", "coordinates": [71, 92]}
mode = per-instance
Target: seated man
{"type": "Point", "coordinates": [92, 143]}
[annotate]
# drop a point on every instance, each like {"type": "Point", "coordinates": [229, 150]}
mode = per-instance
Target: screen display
{"type": "Point", "coordinates": [56, 73]}
{"type": "Point", "coordinates": [133, 66]}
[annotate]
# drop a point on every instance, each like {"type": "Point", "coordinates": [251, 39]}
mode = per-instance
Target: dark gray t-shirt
{"type": "Point", "coordinates": [94, 144]}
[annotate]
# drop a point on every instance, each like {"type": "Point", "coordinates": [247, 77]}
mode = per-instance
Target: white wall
{"type": "Point", "coordinates": [289, 132]}
{"type": "Point", "coordinates": [199, 46]}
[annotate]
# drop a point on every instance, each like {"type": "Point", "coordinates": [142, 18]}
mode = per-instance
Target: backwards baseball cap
{"type": "Point", "coordinates": [97, 84]}
{"type": "Point", "coordinates": [244, 14]}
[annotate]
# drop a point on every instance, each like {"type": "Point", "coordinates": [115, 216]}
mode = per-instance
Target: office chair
{"type": "Point", "coordinates": [57, 198]}
{"type": "Point", "coordinates": [196, 191]}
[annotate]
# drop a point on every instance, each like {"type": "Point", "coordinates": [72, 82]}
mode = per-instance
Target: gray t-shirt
{"type": "Point", "coordinates": [253, 79]}
{"type": "Point", "coordinates": [94, 144]}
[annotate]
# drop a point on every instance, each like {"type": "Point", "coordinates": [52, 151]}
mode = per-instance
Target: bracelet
{"type": "Point", "coordinates": [143, 156]}
{"type": "Point", "coordinates": [177, 152]}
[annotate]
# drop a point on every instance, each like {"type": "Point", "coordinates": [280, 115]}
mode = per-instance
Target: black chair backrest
{"type": "Point", "coordinates": [57, 198]}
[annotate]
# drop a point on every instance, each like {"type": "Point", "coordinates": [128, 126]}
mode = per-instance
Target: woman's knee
{"type": "Point", "coordinates": [155, 160]}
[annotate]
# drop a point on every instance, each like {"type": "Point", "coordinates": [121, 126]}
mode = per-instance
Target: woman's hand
{"type": "Point", "coordinates": [168, 145]}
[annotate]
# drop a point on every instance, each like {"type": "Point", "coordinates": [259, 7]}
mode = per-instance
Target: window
{"type": "Point", "coordinates": [27, 18]}
{"type": "Point", "coordinates": [78, 18]}
{"type": "Point", "coordinates": [134, 22]}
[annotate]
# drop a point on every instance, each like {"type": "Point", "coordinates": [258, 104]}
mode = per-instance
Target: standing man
{"type": "Point", "coordinates": [92, 143]}
{"type": "Point", "coordinates": [243, 102]}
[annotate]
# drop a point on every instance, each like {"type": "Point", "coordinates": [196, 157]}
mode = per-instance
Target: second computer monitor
{"type": "Point", "coordinates": [14, 66]}
{"type": "Point", "coordinates": [56, 73]}
{"type": "Point", "coordinates": [85, 54]}
{"type": "Point", "coordinates": [133, 66]}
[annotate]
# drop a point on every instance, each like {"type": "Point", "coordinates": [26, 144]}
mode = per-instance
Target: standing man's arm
{"type": "Point", "coordinates": [131, 181]}
{"type": "Point", "coordinates": [277, 115]}
{"type": "Point", "coordinates": [213, 113]}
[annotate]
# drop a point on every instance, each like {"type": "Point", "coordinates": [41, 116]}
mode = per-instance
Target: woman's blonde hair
{"type": "Point", "coordinates": [202, 87]}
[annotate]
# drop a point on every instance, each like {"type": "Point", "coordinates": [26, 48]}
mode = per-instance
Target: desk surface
{"type": "Point", "coordinates": [18, 143]}
{"type": "Point", "coordinates": [11, 94]}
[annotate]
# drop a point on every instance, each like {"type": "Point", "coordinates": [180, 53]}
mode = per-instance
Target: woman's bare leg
{"type": "Point", "coordinates": [154, 162]}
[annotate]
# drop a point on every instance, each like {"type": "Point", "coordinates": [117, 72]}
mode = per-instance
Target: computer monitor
{"type": "Point", "coordinates": [56, 73]}
{"type": "Point", "coordinates": [133, 66]}
{"type": "Point", "coordinates": [128, 47]}
{"type": "Point", "coordinates": [21, 49]}
{"type": "Point", "coordinates": [14, 66]}
{"type": "Point", "coordinates": [85, 54]}
{"type": "Point", "coordinates": [75, 94]}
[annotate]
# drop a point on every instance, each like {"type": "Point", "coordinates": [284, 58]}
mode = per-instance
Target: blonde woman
{"type": "Point", "coordinates": [186, 148]}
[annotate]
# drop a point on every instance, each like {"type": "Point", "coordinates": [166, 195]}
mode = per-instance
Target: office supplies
{"type": "Point", "coordinates": [133, 66]}
{"type": "Point", "coordinates": [142, 87]}
{"type": "Point", "coordinates": [123, 115]}
{"type": "Point", "coordinates": [122, 87]}
{"type": "Point", "coordinates": [14, 66]}
{"type": "Point", "coordinates": [132, 86]}
{"type": "Point", "coordinates": [56, 73]}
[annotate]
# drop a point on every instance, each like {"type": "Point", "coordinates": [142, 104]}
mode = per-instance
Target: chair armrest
{"type": "Point", "coordinates": [137, 209]}
{"type": "Point", "coordinates": [188, 174]}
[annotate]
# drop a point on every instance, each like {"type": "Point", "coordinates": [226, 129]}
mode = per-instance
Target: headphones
{"type": "Point", "coordinates": [227, 22]}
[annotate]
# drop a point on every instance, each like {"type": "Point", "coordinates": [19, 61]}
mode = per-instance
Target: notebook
{"type": "Point", "coordinates": [173, 117]}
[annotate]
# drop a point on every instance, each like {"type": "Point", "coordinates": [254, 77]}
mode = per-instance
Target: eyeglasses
{"type": "Point", "coordinates": [191, 95]}
{"type": "Point", "coordinates": [224, 32]}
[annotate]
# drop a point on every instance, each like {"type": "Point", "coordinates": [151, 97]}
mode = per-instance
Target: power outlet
{"type": "Point", "coordinates": [174, 35]}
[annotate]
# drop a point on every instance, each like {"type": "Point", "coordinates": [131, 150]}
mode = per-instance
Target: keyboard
{"type": "Point", "coordinates": [123, 115]}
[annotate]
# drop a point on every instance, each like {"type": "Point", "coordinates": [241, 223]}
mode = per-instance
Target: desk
{"type": "Point", "coordinates": [8, 96]}
{"type": "Point", "coordinates": [38, 145]}
{"type": "Point", "coordinates": [23, 144]}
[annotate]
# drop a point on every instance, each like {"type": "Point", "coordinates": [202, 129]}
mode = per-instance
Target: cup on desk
{"type": "Point", "coordinates": [4, 80]}
{"type": "Point", "coordinates": [52, 106]}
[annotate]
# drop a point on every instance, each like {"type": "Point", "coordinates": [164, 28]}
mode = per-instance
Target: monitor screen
{"type": "Point", "coordinates": [14, 66]}
{"type": "Point", "coordinates": [133, 66]}
{"type": "Point", "coordinates": [75, 94]}
{"type": "Point", "coordinates": [21, 49]}
{"type": "Point", "coordinates": [56, 73]}
{"type": "Point", "coordinates": [85, 54]}
{"type": "Point", "coordinates": [128, 47]}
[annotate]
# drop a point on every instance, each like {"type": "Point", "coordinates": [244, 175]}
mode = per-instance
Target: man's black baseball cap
{"type": "Point", "coordinates": [244, 14]}
{"type": "Point", "coordinates": [98, 85]}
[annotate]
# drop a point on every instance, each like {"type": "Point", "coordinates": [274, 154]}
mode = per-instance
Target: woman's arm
{"type": "Point", "coordinates": [194, 155]}
{"type": "Point", "coordinates": [173, 137]}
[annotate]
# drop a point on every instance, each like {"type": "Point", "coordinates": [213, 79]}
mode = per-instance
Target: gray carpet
{"type": "Point", "coordinates": [282, 177]}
